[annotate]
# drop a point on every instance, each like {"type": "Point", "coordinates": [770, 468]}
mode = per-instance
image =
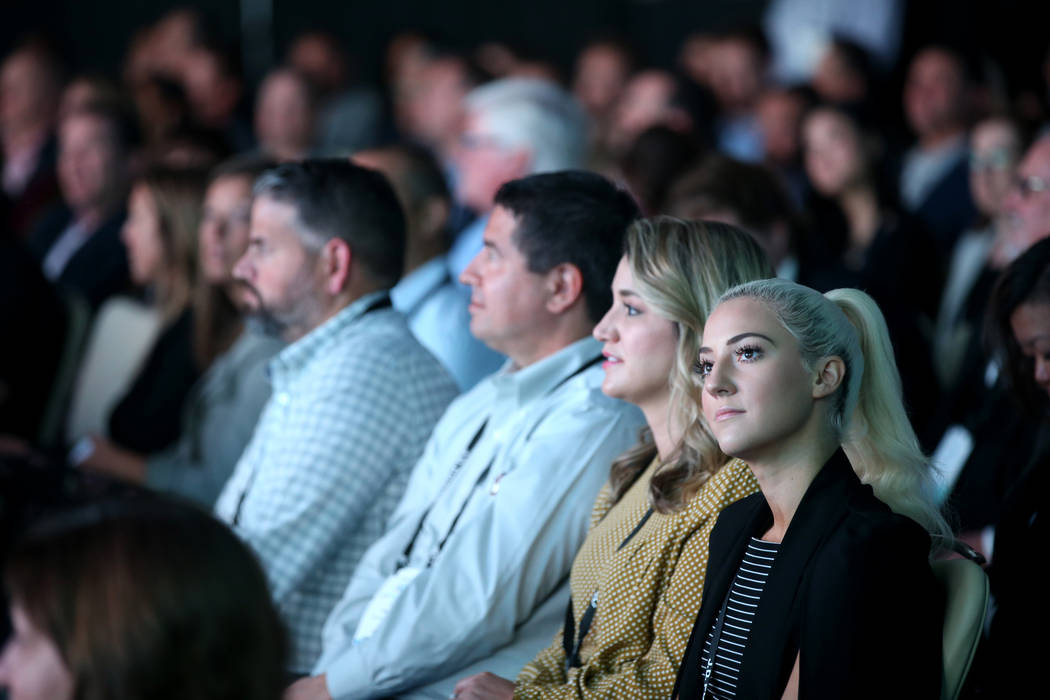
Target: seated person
{"type": "Point", "coordinates": [808, 578]}
{"type": "Point", "coordinates": [139, 598]}
{"type": "Point", "coordinates": [355, 396]}
{"type": "Point", "coordinates": [221, 410]}
{"type": "Point", "coordinates": [1007, 664]}
{"type": "Point", "coordinates": [433, 302]}
{"type": "Point", "coordinates": [78, 243]}
{"type": "Point", "coordinates": [497, 505]}
{"type": "Point", "coordinates": [644, 559]}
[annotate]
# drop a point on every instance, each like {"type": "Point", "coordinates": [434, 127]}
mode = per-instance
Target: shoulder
{"type": "Point", "coordinates": [872, 538]}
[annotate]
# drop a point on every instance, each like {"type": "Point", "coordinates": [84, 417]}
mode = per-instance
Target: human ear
{"type": "Point", "coordinates": [335, 261]}
{"type": "Point", "coordinates": [827, 377]}
{"type": "Point", "coordinates": [564, 286]}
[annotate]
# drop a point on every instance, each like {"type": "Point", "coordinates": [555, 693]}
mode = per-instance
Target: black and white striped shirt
{"type": "Point", "coordinates": [739, 610]}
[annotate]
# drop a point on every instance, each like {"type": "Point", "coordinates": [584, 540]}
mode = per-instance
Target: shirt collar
{"type": "Point", "coordinates": [302, 352]}
{"type": "Point", "coordinates": [530, 383]}
{"type": "Point", "coordinates": [417, 285]}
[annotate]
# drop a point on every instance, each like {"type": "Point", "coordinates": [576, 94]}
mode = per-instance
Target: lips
{"type": "Point", "coordinates": [726, 413]}
{"type": "Point", "coordinates": [610, 360]}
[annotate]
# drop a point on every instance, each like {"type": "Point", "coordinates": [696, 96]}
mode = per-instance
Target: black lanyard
{"type": "Point", "coordinates": [402, 561]}
{"type": "Point", "coordinates": [382, 302]}
{"type": "Point", "coordinates": [572, 650]}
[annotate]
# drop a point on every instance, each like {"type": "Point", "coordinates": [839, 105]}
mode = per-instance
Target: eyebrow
{"type": "Point", "coordinates": [741, 336]}
{"type": "Point", "coordinates": [627, 293]}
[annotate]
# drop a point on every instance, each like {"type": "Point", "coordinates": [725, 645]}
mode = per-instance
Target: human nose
{"type": "Point", "coordinates": [242, 269]}
{"type": "Point", "coordinates": [1042, 371]}
{"type": "Point", "coordinates": [470, 275]}
{"type": "Point", "coordinates": [718, 381]}
{"type": "Point", "coordinates": [605, 330]}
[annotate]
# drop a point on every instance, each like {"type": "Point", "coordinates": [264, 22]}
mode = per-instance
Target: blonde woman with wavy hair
{"type": "Point", "coordinates": [636, 581]}
{"type": "Point", "coordinates": [814, 578]}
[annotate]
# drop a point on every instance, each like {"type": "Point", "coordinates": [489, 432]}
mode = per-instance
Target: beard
{"type": "Point", "coordinates": [289, 321]}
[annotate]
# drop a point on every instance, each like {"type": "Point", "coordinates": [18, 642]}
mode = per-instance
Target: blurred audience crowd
{"type": "Point", "coordinates": [179, 315]}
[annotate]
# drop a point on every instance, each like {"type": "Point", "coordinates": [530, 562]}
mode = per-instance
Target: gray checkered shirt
{"type": "Point", "coordinates": [353, 404]}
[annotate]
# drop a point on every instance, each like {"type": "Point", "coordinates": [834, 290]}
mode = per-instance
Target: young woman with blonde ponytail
{"type": "Point", "coordinates": [819, 586]}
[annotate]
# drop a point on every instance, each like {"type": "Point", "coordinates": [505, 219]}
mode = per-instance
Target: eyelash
{"type": "Point", "coordinates": [703, 367]}
{"type": "Point", "coordinates": [631, 310]}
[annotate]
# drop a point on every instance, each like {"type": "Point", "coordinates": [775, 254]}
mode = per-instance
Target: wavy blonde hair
{"type": "Point", "coordinates": [681, 268]}
{"type": "Point", "coordinates": [867, 416]}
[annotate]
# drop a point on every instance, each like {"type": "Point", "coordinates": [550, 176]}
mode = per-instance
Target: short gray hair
{"type": "Point", "coordinates": [534, 114]}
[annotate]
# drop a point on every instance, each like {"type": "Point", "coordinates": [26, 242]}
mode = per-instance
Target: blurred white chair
{"type": "Point", "coordinates": [122, 336]}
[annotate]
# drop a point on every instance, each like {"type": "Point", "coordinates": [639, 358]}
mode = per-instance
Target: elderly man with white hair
{"type": "Point", "coordinates": [514, 127]}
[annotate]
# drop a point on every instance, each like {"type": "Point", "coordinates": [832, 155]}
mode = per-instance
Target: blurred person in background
{"type": "Point", "coordinates": [746, 195]}
{"type": "Point", "coordinates": [349, 117]}
{"type": "Point", "coordinates": [285, 115]}
{"type": "Point", "coordinates": [779, 112]}
{"type": "Point", "coordinates": [434, 304]}
{"type": "Point", "coordinates": [658, 98]}
{"type": "Point", "coordinates": [1018, 330]}
{"type": "Point", "coordinates": [30, 87]}
{"type": "Point", "coordinates": [934, 174]}
{"type": "Point", "coordinates": [844, 75]}
{"type": "Point", "coordinates": [859, 236]}
{"type": "Point", "coordinates": [138, 598]}
{"type": "Point", "coordinates": [602, 70]}
{"type": "Point", "coordinates": [220, 412]}
{"type": "Point", "coordinates": [658, 156]}
{"type": "Point", "coordinates": [210, 74]}
{"type": "Point", "coordinates": [78, 243]}
{"type": "Point", "coordinates": [996, 147]}
{"type": "Point", "coordinates": [513, 127]}
{"type": "Point", "coordinates": [739, 61]}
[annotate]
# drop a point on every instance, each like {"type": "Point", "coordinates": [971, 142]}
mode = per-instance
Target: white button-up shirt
{"type": "Point", "coordinates": [517, 511]}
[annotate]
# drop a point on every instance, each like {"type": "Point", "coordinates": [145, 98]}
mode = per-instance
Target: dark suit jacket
{"type": "Point", "coordinates": [99, 269]}
{"type": "Point", "coordinates": [850, 591]}
{"type": "Point", "coordinates": [948, 209]}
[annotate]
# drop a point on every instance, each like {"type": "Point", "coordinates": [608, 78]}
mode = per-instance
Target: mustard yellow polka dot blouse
{"type": "Point", "coordinates": [648, 593]}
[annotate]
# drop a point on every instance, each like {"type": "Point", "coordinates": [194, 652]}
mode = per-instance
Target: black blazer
{"type": "Point", "coordinates": [99, 269]}
{"type": "Point", "coordinates": [851, 590]}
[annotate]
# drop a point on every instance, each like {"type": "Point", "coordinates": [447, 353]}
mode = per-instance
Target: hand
{"type": "Point", "coordinates": [313, 688]}
{"type": "Point", "coordinates": [484, 686]}
{"type": "Point", "coordinates": [110, 459]}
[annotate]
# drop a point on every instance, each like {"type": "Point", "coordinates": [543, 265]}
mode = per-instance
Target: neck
{"type": "Point", "coordinates": [861, 208]}
{"type": "Point", "coordinates": [543, 343]}
{"type": "Point", "coordinates": [938, 138]}
{"type": "Point", "coordinates": [658, 416]}
{"type": "Point", "coordinates": [785, 476]}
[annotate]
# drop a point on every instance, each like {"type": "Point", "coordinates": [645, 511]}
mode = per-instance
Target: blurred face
{"type": "Point", "coordinates": [639, 346]}
{"type": "Point", "coordinates": [601, 73]}
{"type": "Point", "coordinates": [1031, 327]}
{"type": "Point", "coordinates": [644, 103]}
{"type": "Point", "coordinates": [835, 81]}
{"type": "Point", "coordinates": [485, 163]}
{"type": "Point", "coordinates": [778, 119]}
{"type": "Point", "coordinates": [993, 160]}
{"type": "Point", "coordinates": [89, 164]}
{"type": "Point", "coordinates": [142, 237]}
{"type": "Point", "coordinates": [283, 117]}
{"type": "Point", "coordinates": [832, 152]}
{"type": "Point", "coordinates": [26, 93]}
{"type": "Point", "coordinates": [224, 226]}
{"type": "Point", "coordinates": [1027, 205]}
{"type": "Point", "coordinates": [433, 107]}
{"type": "Point", "coordinates": [279, 272]}
{"type": "Point", "coordinates": [506, 299]}
{"type": "Point", "coordinates": [757, 396]}
{"type": "Point", "coordinates": [736, 74]}
{"type": "Point", "coordinates": [933, 94]}
{"type": "Point", "coordinates": [31, 667]}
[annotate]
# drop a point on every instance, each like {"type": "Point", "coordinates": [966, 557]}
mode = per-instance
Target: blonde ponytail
{"type": "Point", "coordinates": [868, 414]}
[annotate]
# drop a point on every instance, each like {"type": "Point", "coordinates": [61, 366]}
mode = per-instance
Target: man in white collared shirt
{"type": "Point", "coordinates": [498, 504]}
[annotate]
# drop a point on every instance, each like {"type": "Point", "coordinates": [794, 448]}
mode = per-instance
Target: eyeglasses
{"type": "Point", "coordinates": [1031, 184]}
{"type": "Point", "coordinates": [997, 159]}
